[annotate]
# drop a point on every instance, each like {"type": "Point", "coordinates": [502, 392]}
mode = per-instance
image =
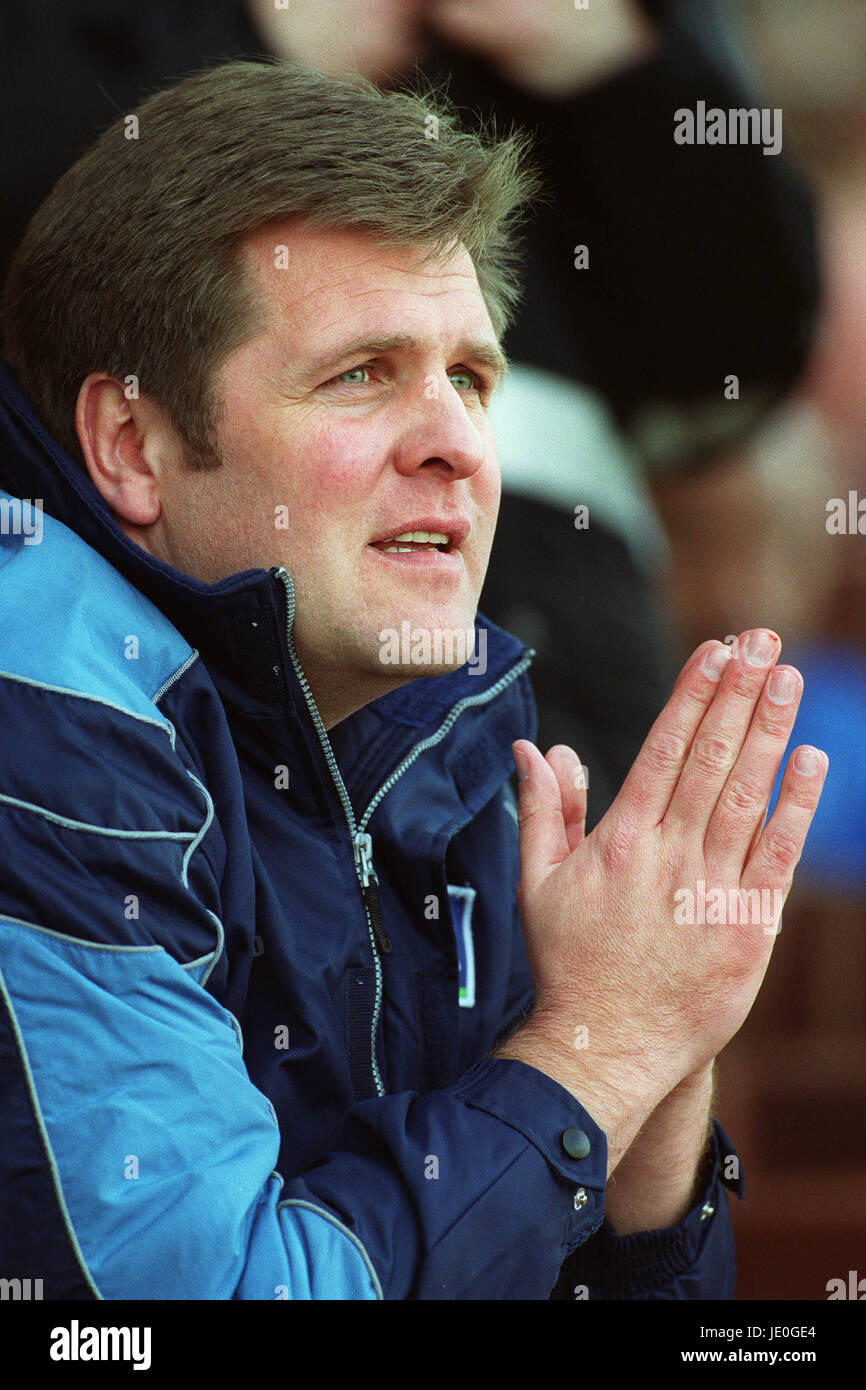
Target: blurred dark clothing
{"type": "Point", "coordinates": [701, 258]}
{"type": "Point", "coordinates": [73, 68]}
{"type": "Point", "coordinates": [604, 661]}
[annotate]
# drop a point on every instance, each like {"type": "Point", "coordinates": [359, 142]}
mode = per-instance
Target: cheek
{"type": "Point", "coordinates": [319, 473]}
{"type": "Point", "coordinates": [342, 463]}
{"type": "Point", "coordinates": [333, 474]}
{"type": "Point", "coordinates": [488, 489]}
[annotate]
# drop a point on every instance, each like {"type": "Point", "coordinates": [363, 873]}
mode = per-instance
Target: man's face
{"type": "Point", "coordinates": [358, 415]}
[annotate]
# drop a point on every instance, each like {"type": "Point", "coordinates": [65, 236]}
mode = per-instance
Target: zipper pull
{"type": "Point", "coordinates": [370, 890]}
{"type": "Point", "coordinates": [371, 898]}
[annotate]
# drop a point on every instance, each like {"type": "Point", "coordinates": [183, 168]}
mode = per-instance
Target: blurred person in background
{"type": "Point", "coordinates": [776, 526]}
{"type": "Point", "coordinates": [792, 553]}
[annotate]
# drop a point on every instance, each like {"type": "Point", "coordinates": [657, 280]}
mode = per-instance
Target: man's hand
{"type": "Point", "coordinates": [376, 38]}
{"type": "Point", "coordinates": [550, 47]}
{"type": "Point", "coordinates": [634, 992]}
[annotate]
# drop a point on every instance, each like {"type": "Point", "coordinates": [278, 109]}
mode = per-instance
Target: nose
{"type": "Point", "coordinates": [441, 434]}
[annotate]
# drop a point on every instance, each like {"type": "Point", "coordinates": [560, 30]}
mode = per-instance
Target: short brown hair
{"type": "Point", "coordinates": [130, 265]}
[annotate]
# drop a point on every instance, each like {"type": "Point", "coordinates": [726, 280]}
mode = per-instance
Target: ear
{"type": "Point", "coordinates": [126, 444]}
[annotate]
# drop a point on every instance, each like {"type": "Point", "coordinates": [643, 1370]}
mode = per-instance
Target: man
{"type": "Point", "coordinates": [258, 909]}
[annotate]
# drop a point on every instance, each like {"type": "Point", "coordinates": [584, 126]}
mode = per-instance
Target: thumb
{"type": "Point", "coordinates": [543, 837]}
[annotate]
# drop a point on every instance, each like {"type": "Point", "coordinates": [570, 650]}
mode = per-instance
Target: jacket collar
{"type": "Point", "coordinates": [238, 624]}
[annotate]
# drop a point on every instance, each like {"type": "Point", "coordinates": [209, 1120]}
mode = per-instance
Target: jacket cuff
{"type": "Point", "coordinates": [563, 1132]}
{"type": "Point", "coordinates": [632, 1265]}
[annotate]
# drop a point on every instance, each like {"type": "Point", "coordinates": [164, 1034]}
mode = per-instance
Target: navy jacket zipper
{"type": "Point", "coordinates": [362, 844]}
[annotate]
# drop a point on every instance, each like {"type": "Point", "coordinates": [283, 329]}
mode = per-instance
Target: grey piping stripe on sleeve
{"type": "Point", "coordinates": [310, 1206]}
{"type": "Point", "coordinates": [83, 695]}
{"type": "Point", "coordinates": [101, 829]}
{"type": "Point", "coordinates": [49, 1153]}
{"type": "Point", "coordinates": [79, 940]}
{"type": "Point", "coordinates": [166, 685]}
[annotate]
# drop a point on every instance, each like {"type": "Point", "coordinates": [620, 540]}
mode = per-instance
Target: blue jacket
{"type": "Point", "coordinates": [251, 974]}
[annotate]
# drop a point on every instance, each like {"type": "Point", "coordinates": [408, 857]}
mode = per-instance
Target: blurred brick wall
{"type": "Point", "coordinates": [792, 1095]}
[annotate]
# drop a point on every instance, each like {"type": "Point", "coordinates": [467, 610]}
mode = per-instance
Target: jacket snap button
{"type": "Point", "coordinates": [576, 1143]}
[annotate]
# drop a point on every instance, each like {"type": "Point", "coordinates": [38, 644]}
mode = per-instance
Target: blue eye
{"type": "Point", "coordinates": [470, 377]}
{"type": "Point", "coordinates": [349, 372]}
{"type": "Point", "coordinates": [473, 381]}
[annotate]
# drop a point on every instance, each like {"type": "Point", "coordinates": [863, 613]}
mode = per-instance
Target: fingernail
{"type": "Point", "coordinates": [761, 647]}
{"type": "Point", "coordinates": [715, 662]}
{"type": "Point", "coordinates": [521, 762]}
{"type": "Point", "coordinates": [782, 686]}
{"type": "Point", "coordinates": [807, 761]}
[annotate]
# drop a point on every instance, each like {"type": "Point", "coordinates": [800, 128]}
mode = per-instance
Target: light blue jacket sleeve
{"type": "Point", "coordinates": [161, 1149]}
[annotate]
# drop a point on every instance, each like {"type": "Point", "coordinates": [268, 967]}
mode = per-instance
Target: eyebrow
{"type": "Point", "coordinates": [477, 350]}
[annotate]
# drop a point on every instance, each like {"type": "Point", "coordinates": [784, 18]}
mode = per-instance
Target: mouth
{"type": "Point", "coordinates": [432, 542]}
{"type": "Point", "coordinates": [409, 542]}
{"type": "Point", "coordinates": [440, 533]}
